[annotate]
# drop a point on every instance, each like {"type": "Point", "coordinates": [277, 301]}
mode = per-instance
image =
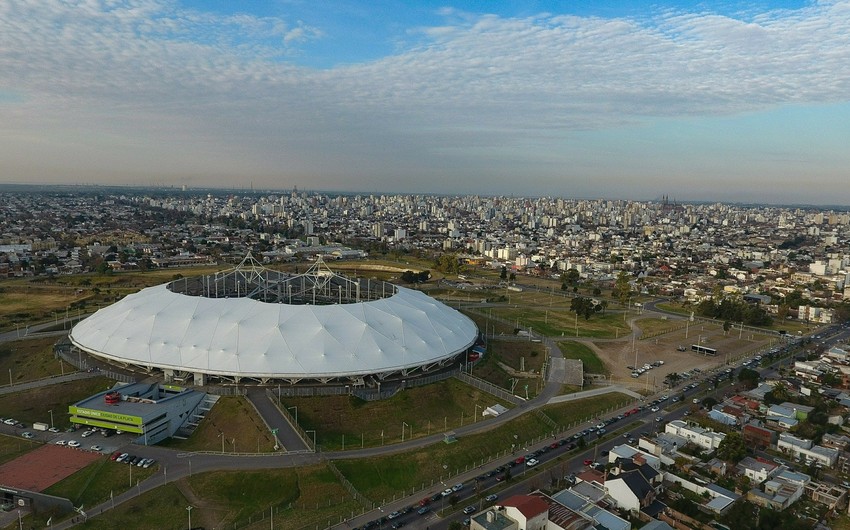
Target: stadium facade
{"type": "Point", "coordinates": [254, 325]}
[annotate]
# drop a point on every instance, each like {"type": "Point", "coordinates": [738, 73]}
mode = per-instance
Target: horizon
{"type": "Point", "coordinates": [176, 189]}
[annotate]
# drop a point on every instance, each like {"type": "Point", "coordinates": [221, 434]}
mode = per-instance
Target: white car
{"type": "Point", "coordinates": [10, 421]}
{"type": "Point", "coordinates": [74, 443]}
{"type": "Point", "coordinates": [532, 462]}
{"type": "Point", "coordinates": [53, 429]}
{"type": "Point", "coordinates": [447, 492]}
{"type": "Point", "coordinates": [655, 409]}
{"type": "Point", "coordinates": [96, 448]}
{"type": "Point", "coordinates": [60, 442]}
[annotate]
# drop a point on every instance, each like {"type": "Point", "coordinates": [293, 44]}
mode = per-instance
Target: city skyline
{"type": "Point", "coordinates": [725, 101]}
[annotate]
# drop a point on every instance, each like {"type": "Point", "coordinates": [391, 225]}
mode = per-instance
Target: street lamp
{"type": "Point", "coordinates": [221, 435]}
{"type": "Point", "coordinates": [314, 438]}
{"type": "Point", "coordinates": [296, 412]}
{"type": "Point", "coordinates": [189, 510]}
{"type": "Point", "coordinates": [51, 417]}
{"type": "Point", "coordinates": [403, 425]}
{"type": "Point", "coordinates": [477, 406]}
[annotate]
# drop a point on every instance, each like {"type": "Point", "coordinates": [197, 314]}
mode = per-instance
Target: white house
{"type": "Point", "coordinates": [704, 438]}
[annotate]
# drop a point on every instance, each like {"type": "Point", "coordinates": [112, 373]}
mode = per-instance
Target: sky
{"type": "Point", "coordinates": [700, 101]}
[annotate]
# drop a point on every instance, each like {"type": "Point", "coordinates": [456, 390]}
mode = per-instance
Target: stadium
{"type": "Point", "coordinates": [254, 325]}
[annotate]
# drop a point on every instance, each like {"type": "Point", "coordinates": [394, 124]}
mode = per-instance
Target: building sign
{"type": "Point", "coordinates": [103, 415]}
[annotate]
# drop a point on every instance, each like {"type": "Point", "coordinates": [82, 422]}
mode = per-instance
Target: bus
{"type": "Point", "coordinates": [703, 349]}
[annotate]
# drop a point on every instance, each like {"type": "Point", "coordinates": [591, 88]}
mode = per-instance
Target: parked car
{"type": "Point", "coordinates": [468, 510]}
{"type": "Point", "coordinates": [28, 435]}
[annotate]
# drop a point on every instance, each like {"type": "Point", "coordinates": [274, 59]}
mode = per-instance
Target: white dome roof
{"type": "Point", "coordinates": [248, 338]}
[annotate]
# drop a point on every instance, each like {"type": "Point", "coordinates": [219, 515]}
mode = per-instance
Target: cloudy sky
{"type": "Point", "coordinates": [732, 101]}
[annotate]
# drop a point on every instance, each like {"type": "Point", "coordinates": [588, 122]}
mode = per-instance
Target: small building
{"type": "Point", "coordinates": [152, 411]}
{"type": "Point", "coordinates": [757, 436]}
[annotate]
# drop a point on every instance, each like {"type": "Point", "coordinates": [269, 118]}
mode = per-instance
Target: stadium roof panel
{"type": "Point", "coordinates": [243, 337]}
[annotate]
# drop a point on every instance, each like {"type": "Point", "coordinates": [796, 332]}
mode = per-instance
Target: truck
{"type": "Point", "coordinates": [39, 426]}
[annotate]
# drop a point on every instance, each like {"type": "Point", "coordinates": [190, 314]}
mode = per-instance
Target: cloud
{"type": "Point", "coordinates": [225, 89]}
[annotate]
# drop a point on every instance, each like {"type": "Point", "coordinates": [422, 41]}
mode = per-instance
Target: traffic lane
{"type": "Point", "coordinates": [545, 454]}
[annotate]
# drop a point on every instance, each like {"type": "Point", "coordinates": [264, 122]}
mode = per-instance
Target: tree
{"type": "Point", "coordinates": [726, 326]}
{"type": "Point", "coordinates": [622, 289]}
{"type": "Point", "coordinates": [732, 448]}
{"type": "Point", "coordinates": [748, 377]}
{"type": "Point", "coordinates": [504, 273]}
{"type": "Point", "coordinates": [672, 379]}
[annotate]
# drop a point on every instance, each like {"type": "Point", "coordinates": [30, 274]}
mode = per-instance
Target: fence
{"type": "Point", "coordinates": [488, 387]}
{"type": "Point", "coordinates": [366, 503]}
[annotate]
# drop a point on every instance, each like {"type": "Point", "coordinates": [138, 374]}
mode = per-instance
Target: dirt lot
{"type": "Point", "coordinates": [619, 354]}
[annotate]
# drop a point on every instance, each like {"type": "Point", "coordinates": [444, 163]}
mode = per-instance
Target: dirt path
{"type": "Point", "coordinates": [205, 513]}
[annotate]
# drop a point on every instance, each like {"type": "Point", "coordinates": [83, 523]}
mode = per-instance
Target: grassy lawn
{"type": "Point", "coordinates": [31, 359]}
{"type": "Point", "coordinates": [492, 327]}
{"type": "Point", "coordinates": [93, 484]}
{"type": "Point", "coordinates": [383, 477]}
{"type": "Point", "coordinates": [11, 447]}
{"type": "Point", "coordinates": [841, 523]}
{"type": "Point", "coordinates": [42, 299]}
{"type": "Point", "coordinates": [504, 356]}
{"type": "Point", "coordinates": [301, 497]}
{"type": "Point", "coordinates": [654, 326]}
{"type": "Point", "coordinates": [576, 350]}
{"type": "Point", "coordinates": [572, 411]}
{"type": "Point", "coordinates": [164, 508]}
{"type": "Point", "coordinates": [674, 307]}
{"type": "Point", "coordinates": [244, 430]}
{"type": "Point", "coordinates": [559, 322]}
{"type": "Point", "coordinates": [33, 405]}
{"type": "Point", "coordinates": [426, 410]}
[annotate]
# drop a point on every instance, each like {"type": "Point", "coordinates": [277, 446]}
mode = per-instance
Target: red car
{"type": "Point", "coordinates": [115, 455]}
{"type": "Point", "coordinates": [520, 460]}
{"type": "Point", "coordinates": [588, 462]}
{"type": "Point", "coordinates": [425, 502]}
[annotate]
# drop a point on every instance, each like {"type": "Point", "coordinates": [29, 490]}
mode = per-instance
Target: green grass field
{"type": "Point", "coordinates": [653, 326]}
{"type": "Point", "coordinates": [94, 483]}
{"type": "Point", "coordinates": [425, 410]}
{"type": "Point", "coordinates": [162, 508]}
{"type": "Point", "coordinates": [236, 419]}
{"type": "Point", "coordinates": [301, 497]}
{"type": "Point", "coordinates": [33, 405]}
{"type": "Point", "coordinates": [562, 322]}
{"type": "Point", "coordinates": [30, 359]}
{"type": "Point", "coordinates": [576, 350]}
{"type": "Point", "coordinates": [572, 411]}
{"type": "Point", "coordinates": [383, 477]}
{"type": "Point", "coordinates": [12, 447]}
